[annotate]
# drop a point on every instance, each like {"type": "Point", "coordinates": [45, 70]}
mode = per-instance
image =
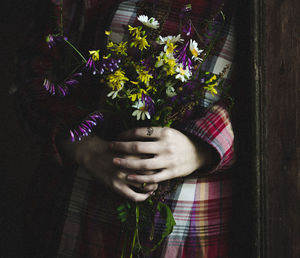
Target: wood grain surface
{"type": "Point", "coordinates": [277, 70]}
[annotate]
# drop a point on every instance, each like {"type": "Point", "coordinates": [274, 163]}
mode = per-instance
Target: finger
{"type": "Point", "coordinates": [151, 179]}
{"type": "Point", "coordinates": [126, 191]}
{"type": "Point", "coordinates": [142, 133]}
{"type": "Point", "coordinates": [142, 164]}
{"type": "Point", "coordinates": [122, 176]}
{"type": "Point", "coordinates": [143, 188]}
{"type": "Point", "coordinates": [137, 147]}
{"type": "Point", "coordinates": [134, 184]}
{"type": "Point", "coordinates": [148, 187]}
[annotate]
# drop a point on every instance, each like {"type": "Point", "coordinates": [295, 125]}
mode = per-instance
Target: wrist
{"type": "Point", "coordinates": [211, 157]}
{"type": "Point", "coordinates": [80, 151]}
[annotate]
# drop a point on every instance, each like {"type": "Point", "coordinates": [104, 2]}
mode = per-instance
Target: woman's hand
{"type": "Point", "coordinates": [93, 154]}
{"type": "Point", "coordinates": [169, 154]}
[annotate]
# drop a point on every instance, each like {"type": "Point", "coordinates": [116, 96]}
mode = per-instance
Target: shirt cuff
{"type": "Point", "coordinates": [215, 129]}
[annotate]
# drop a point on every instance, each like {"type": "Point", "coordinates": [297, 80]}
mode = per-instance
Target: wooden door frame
{"type": "Point", "coordinates": [275, 27]}
{"type": "Point", "coordinates": [258, 68]}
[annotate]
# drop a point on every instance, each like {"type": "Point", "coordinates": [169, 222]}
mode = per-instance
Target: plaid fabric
{"type": "Point", "coordinates": [201, 205]}
{"type": "Point", "coordinates": [86, 223]}
{"type": "Point", "coordinates": [201, 208]}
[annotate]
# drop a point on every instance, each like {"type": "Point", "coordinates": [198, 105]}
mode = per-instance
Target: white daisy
{"type": "Point", "coordinates": [183, 74]}
{"type": "Point", "coordinates": [113, 94]}
{"type": "Point", "coordinates": [141, 110]}
{"type": "Point", "coordinates": [151, 23]}
{"type": "Point", "coordinates": [171, 39]}
{"type": "Point", "coordinates": [195, 50]}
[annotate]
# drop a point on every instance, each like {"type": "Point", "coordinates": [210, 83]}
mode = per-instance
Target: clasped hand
{"type": "Point", "coordinates": [138, 159]}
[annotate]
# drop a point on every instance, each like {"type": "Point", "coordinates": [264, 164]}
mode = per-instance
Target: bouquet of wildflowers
{"type": "Point", "coordinates": [149, 79]}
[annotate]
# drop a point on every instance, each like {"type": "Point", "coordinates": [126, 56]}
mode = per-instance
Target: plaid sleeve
{"type": "Point", "coordinates": [215, 129]}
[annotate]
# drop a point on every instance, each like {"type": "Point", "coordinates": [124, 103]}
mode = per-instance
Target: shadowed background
{"type": "Point", "coordinates": [19, 154]}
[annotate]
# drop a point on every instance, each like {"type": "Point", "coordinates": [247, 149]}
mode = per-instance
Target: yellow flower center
{"type": "Point", "coordinates": [181, 71]}
{"type": "Point", "coordinates": [194, 52]}
{"type": "Point", "coordinates": [143, 108]}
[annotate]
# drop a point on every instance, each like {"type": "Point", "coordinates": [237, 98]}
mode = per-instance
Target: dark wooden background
{"type": "Point", "coordinates": [278, 123]}
{"type": "Point", "coordinates": [265, 120]}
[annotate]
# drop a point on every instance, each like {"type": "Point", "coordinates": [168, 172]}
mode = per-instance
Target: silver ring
{"type": "Point", "coordinates": [150, 131]}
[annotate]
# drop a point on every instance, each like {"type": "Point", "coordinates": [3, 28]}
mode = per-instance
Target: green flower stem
{"type": "Point", "coordinates": [76, 50]}
{"type": "Point", "coordinates": [211, 45]}
{"type": "Point", "coordinates": [124, 246]}
{"type": "Point", "coordinates": [137, 218]}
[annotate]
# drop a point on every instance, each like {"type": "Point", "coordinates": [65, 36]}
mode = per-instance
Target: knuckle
{"type": "Point", "coordinates": [145, 166]}
{"type": "Point", "coordinates": [170, 148]}
{"type": "Point", "coordinates": [153, 179]}
{"type": "Point", "coordinates": [167, 132]}
{"type": "Point", "coordinates": [124, 163]}
{"type": "Point", "coordinates": [135, 147]}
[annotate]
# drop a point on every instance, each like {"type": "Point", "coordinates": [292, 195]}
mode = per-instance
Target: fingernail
{"type": "Point", "coordinates": [131, 177]}
{"type": "Point", "coordinates": [117, 161]}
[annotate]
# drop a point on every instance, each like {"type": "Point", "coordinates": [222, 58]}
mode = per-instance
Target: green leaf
{"type": "Point", "coordinates": [124, 211]}
{"type": "Point", "coordinates": [166, 213]}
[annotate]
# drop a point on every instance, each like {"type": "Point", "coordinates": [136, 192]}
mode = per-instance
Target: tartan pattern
{"type": "Point", "coordinates": [93, 230]}
{"type": "Point", "coordinates": [201, 205]}
{"type": "Point", "coordinates": [215, 129]}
